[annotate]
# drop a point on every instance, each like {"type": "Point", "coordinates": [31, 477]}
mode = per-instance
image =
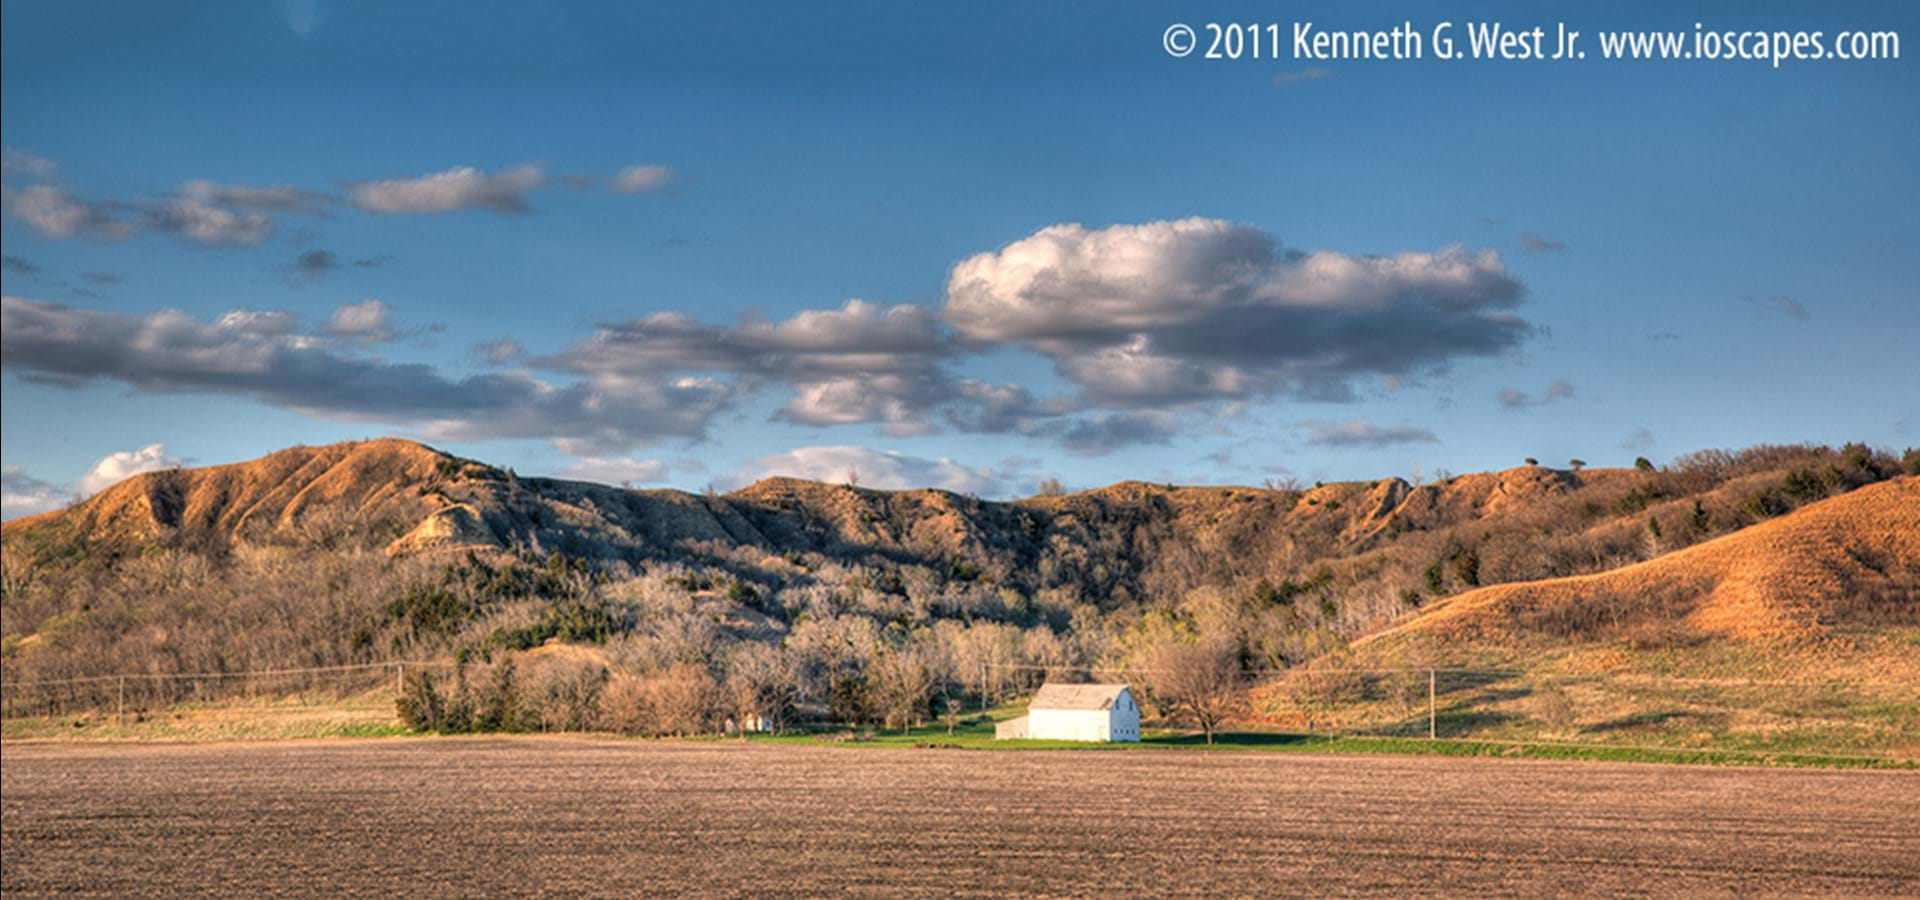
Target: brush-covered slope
{"type": "Point", "coordinates": [400, 526]}
{"type": "Point", "coordinates": [379, 550]}
{"type": "Point", "coordinates": [1828, 568]}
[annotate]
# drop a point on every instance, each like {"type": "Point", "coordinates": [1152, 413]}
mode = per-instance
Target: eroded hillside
{"type": "Point", "coordinates": [390, 549]}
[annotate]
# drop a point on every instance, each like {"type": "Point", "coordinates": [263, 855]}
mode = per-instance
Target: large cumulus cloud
{"type": "Point", "coordinates": [861, 363]}
{"type": "Point", "coordinates": [1152, 328]}
{"type": "Point", "coordinates": [1177, 312]}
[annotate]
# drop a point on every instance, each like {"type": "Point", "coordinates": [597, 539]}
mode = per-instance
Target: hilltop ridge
{"type": "Point", "coordinates": [368, 549]}
{"type": "Point", "coordinates": [425, 500]}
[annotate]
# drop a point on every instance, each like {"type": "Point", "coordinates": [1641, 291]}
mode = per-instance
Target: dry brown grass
{"type": "Point", "coordinates": [372, 480]}
{"type": "Point", "coordinates": [1793, 577]}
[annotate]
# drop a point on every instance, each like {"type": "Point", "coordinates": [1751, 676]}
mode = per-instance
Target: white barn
{"type": "Point", "coordinates": [1077, 712]}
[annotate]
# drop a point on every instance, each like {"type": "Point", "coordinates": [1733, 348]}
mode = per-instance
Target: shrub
{"type": "Point", "coordinates": [494, 705]}
{"type": "Point", "coordinates": [1700, 519]}
{"type": "Point", "coordinates": [1554, 707]}
{"type": "Point", "coordinates": [847, 695]}
{"type": "Point", "coordinates": [743, 594]}
{"type": "Point", "coordinates": [565, 696]}
{"type": "Point", "coordinates": [420, 705]}
{"type": "Point", "coordinates": [573, 621]}
{"type": "Point", "coordinates": [1764, 505]}
{"type": "Point", "coordinates": [428, 610]}
{"type": "Point", "coordinates": [1803, 484]}
{"type": "Point", "coordinates": [1466, 567]}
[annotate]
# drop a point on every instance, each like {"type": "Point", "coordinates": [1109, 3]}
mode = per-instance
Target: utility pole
{"type": "Point", "coordinates": [120, 711]}
{"type": "Point", "coordinates": [1432, 730]}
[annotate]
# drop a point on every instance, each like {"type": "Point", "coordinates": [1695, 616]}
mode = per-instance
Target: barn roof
{"type": "Point", "coordinates": [1077, 696]}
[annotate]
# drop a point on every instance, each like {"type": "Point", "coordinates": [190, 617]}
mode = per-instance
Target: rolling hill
{"type": "Point", "coordinates": [1753, 563]}
{"type": "Point", "coordinates": [1846, 561]}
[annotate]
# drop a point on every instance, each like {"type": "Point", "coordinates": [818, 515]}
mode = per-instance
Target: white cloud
{"type": "Point", "coordinates": [886, 470]}
{"type": "Point", "coordinates": [1639, 440]}
{"type": "Point", "coordinates": [57, 214]}
{"type": "Point", "coordinates": [24, 495]}
{"type": "Point", "coordinates": [364, 322]}
{"type": "Point", "coordinates": [117, 467]}
{"type": "Point", "coordinates": [267, 356]}
{"type": "Point", "coordinates": [862, 363]}
{"type": "Point", "coordinates": [1155, 326]}
{"type": "Point", "coordinates": [202, 212]}
{"type": "Point", "coordinates": [1099, 435]}
{"type": "Point", "coordinates": [1533, 243]}
{"type": "Point", "coordinates": [1175, 312]}
{"type": "Point", "coordinates": [623, 471]}
{"type": "Point", "coordinates": [1361, 434]}
{"type": "Point", "coordinates": [277, 197]}
{"type": "Point", "coordinates": [202, 222]}
{"type": "Point", "coordinates": [21, 164]}
{"type": "Point", "coordinates": [464, 187]}
{"type": "Point", "coordinates": [634, 179]}
{"type": "Point", "coordinates": [500, 352]}
{"type": "Point", "coordinates": [1514, 398]}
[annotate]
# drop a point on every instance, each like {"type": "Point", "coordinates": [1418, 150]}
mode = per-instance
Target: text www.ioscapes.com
{"type": "Point", "coordinates": [1773, 46]}
{"type": "Point", "coordinates": [1495, 40]}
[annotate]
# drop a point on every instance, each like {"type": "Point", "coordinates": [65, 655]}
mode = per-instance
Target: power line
{"type": "Point", "coordinates": [197, 676]}
{"type": "Point", "coordinates": [1502, 673]}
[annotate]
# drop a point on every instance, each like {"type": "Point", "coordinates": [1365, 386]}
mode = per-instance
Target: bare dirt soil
{"type": "Point", "coordinates": [520, 816]}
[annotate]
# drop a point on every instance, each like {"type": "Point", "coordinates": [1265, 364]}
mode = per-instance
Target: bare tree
{"type": "Point", "coordinates": [1284, 484]}
{"type": "Point", "coordinates": [1198, 680]}
{"type": "Point", "coordinates": [1051, 487]}
{"type": "Point", "coordinates": [853, 476]}
{"type": "Point", "coordinates": [901, 687]}
{"type": "Point", "coordinates": [949, 711]}
{"type": "Point", "coordinates": [760, 684]}
{"type": "Point", "coordinates": [679, 701]}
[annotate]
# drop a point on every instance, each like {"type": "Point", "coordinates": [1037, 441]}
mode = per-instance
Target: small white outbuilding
{"type": "Point", "coordinates": [1077, 712]}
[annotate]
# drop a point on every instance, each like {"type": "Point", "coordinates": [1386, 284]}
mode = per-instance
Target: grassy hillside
{"type": "Point", "coordinates": [1799, 634]}
{"type": "Point", "coordinates": [1843, 565]}
{"type": "Point", "coordinates": [831, 596]}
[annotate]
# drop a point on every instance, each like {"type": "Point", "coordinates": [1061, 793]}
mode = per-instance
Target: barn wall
{"type": "Point", "coordinates": [1069, 724]}
{"type": "Point", "coordinates": [1123, 723]}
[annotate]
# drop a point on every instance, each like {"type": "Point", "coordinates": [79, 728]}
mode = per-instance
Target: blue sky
{"type": "Point", "coordinates": [1699, 254]}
